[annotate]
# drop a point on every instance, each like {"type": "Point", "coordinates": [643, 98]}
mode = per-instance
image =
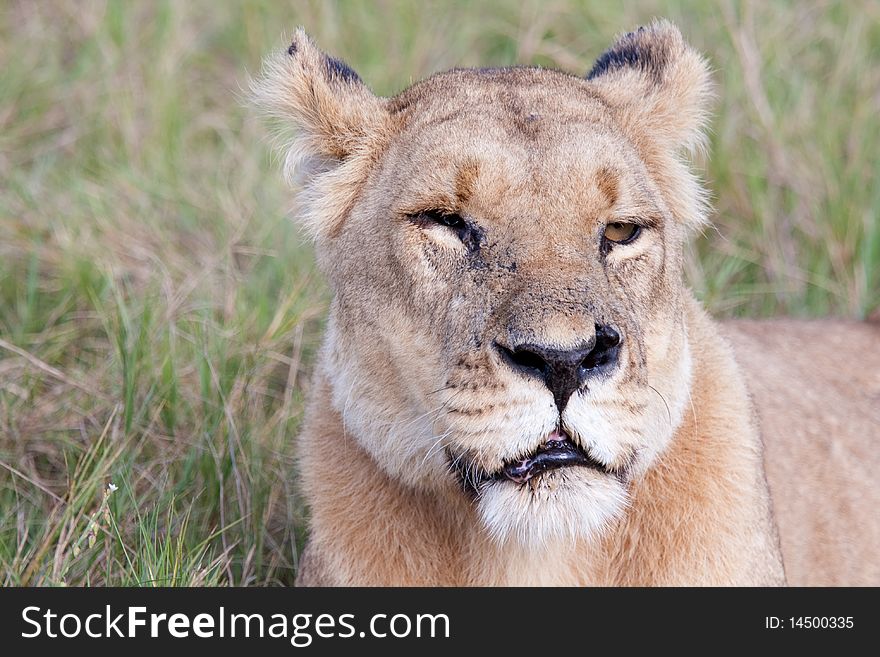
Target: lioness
{"type": "Point", "coordinates": [515, 386]}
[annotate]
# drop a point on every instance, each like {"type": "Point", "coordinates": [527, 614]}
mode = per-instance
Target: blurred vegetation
{"type": "Point", "coordinates": [159, 311]}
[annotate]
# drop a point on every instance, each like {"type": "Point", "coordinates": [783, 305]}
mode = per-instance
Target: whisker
{"type": "Point", "coordinates": [693, 409]}
{"type": "Point", "coordinates": [668, 414]}
{"type": "Point", "coordinates": [447, 387]}
{"type": "Point", "coordinates": [435, 445]}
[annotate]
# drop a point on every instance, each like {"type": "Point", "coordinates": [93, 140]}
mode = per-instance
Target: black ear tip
{"type": "Point", "coordinates": [337, 69]}
{"type": "Point", "coordinates": [625, 53]}
{"type": "Point", "coordinates": [646, 49]}
{"type": "Point", "coordinates": [334, 69]}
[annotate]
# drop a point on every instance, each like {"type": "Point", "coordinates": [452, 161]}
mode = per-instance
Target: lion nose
{"type": "Point", "coordinates": [565, 370]}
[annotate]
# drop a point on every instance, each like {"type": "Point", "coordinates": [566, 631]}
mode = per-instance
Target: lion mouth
{"type": "Point", "coordinates": [557, 451]}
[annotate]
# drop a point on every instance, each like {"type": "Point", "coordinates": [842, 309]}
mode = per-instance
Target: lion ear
{"type": "Point", "coordinates": [659, 85]}
{"type": "Point", "coordinates": [325, 122]}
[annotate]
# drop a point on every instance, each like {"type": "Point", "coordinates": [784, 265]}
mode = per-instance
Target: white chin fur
{"type": "Point", "coordinates": [565, 506]}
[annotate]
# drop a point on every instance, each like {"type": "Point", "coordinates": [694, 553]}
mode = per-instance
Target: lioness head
{"type": "Point", "coordinates": [504, 248]}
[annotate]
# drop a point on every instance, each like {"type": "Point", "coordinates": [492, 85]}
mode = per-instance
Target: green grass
{"type": "Point", "coordinates": [159, 312]}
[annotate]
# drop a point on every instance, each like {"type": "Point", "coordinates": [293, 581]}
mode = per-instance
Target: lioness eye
{"type": "Point", "coordinates": [470, 235]}
{"type": "Point", "coordinates": [621, 232]}
{"type": "Point", "coordinates": [448, 219]}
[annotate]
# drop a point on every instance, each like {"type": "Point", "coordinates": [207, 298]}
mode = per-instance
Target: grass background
{"type": "Point", "coordinates": [159, 312]}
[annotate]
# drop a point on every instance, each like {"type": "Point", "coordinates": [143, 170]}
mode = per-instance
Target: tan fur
{"type": "Point", "coordinates": [817, 389]}
{"type": "Point", "coordinates": [413, 404]}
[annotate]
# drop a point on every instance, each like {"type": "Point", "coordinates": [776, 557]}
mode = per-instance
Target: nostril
{"type": "Point", "coordinates": [590, 362]}
{"type": "Point", "coordinates": [523, 359]}
{"type": "Point", "coordinates": [604, 350]}
{"type": "Point", "coordinates": [528, 359]}
{"type": "Point", "coordinates": [608, 334]}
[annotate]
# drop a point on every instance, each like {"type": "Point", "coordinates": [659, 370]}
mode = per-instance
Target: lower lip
{"type": "Point", "coordinates": [553, 457]}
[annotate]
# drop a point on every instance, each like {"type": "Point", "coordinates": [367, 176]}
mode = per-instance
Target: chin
{"type": "Point", "coordinates": [565, 505]}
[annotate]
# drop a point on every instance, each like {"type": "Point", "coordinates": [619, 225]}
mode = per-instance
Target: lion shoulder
{"type": "Point", "coordinates": [816, 387]}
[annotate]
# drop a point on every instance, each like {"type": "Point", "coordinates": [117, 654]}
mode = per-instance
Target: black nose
{"type": "Point", "coordinates": [564, 371]}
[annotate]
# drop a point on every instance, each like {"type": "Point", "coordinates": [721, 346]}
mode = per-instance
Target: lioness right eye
{"type": "Point", "coordinates": [470, 235]}
{"type": "Point", "coordinates": [448, 219]}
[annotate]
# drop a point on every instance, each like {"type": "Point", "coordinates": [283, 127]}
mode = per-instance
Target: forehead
{"type": "Point", "coordinates": [514, 91]}
{"type": "Point", "coordinates": [509, 137]}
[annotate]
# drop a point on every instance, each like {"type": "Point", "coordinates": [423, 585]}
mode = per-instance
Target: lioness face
{"type": "Point", "coordinates": [504, 248]}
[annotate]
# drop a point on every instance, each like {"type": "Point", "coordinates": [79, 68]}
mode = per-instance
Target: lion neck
{"type": "Point", "coordinates": [699, 515]}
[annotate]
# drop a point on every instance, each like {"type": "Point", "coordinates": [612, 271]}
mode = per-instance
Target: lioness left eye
{"type": "Point", "coordinates": [621, 232]}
